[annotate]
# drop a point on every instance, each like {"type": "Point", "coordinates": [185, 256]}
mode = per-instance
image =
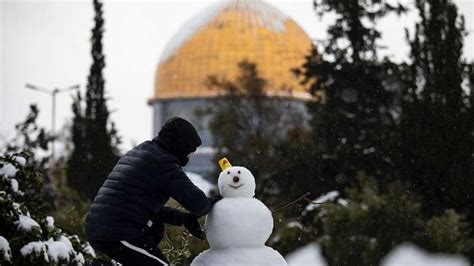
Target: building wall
{"type": "Point", "coordinates": [194, 111]}
{"type": "Point", "coordinates": [197, 111]}
{"type": "Point", "coordinates": [189, 109]}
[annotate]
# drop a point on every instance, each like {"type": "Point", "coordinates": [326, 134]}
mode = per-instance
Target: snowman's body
{"type": "Point", "coordinates": [239, 225]}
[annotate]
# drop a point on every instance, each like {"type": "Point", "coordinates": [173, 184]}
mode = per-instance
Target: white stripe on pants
{"type": "Point", "coordinates": [142, 251]}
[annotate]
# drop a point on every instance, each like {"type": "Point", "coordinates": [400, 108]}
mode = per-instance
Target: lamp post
{"type": "Point", "coordinates": [53, 94]}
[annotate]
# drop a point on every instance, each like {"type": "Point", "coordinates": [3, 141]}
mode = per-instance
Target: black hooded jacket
{"type": "Point", "coordinates": [143, 180]}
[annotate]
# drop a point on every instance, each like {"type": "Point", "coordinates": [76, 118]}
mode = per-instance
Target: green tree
{"type": "Point", "coordinates": [375, 220]}
{"type": "Point", "coordinates": [94, 136]}
{"type": "Point", "coordinates": [265, 134]}
{"type": "Point", "coordinates": [27, 235]}
{"type": "Point", "coordinates": [353, 118]}
{"type": "Point", "coordinates": [30, 137]}
{"type": "Point", "coordinates": [436, 128]}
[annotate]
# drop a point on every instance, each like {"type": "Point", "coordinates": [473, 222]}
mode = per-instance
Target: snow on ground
{"type": "Point", "coordinates": [5, 249]}
{"type": "Point", "coordinates": [409, 254]}
{"type": "Point", "coordinates": [201, 183]}
{"type": "Point", "coordinates": [26, 223]}
{"type": "Point", "coordinates": [310, 254]}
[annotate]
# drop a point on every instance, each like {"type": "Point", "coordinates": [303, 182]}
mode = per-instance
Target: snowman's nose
{"type": "Point", "coordinates": [236, 179]}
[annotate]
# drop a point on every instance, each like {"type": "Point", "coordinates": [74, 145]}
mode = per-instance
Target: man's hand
{"type": "Point", "coordinates": [214, 200]}
{"type": "Point", "coordinates": [190, 222]}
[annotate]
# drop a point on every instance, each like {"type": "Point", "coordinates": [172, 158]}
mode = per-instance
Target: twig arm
{"type": "Point", "coordinates": [292, 203]}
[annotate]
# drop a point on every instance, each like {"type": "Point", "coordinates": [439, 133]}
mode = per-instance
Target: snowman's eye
{"type": "Point", "coordinates": [238, 172]}
{"type": "Point", "coordinates": [228, 172]}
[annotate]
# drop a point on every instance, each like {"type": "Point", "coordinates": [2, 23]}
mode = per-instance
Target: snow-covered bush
{"type": "Point", "coordinates": [373, 221]}
{"type": "Point", "coordinates": [27, 235]}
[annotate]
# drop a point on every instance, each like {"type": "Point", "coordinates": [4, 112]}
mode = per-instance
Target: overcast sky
{"type": "Point", "coordinates": [46, 43]}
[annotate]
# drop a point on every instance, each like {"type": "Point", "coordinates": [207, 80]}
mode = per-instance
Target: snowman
{"type": "Point", "coordinates": [239, 225]}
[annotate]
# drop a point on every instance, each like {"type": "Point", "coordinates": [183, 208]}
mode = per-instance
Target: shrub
{"type": "Point", "coordinates": [27, 235]}
{"type": "Point", "coordinates": [374, 221]}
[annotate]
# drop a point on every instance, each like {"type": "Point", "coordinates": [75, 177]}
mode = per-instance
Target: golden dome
{"type": "Point", "coordinates": [216, 40]}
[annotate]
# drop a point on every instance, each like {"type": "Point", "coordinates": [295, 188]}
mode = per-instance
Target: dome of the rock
{"type": "Point", "coordinates": [213, 43]}
{"type": "Point", "coordinates": [217, 39]}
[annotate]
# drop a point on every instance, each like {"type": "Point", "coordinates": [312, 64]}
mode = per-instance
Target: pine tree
{"type": "Point", "coordinates": [27, 235]}
{"type": "Point", "coordinates": [95, 140]}
{"type": "Point", "coordinates": [375, 221]}
{"type": "Point", "coordinates": [263, 133]}
{"type": "Point", "coordinates": [31, 137]}
{"type": "Point", "coordinates": [437, 140]}
{"type": "Point", "coordinates": [352, 119]}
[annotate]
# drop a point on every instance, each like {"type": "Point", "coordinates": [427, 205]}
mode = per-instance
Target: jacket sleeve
{"type": "Point", "coordinates": [171, 216]}
{"type": "Point", "coordinates": [180, 188]}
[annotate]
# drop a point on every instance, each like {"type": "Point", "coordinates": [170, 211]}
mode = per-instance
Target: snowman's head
{"type": "Point", "coordinates": [235, 182]}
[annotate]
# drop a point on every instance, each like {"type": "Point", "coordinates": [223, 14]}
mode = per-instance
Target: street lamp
{"type": "Point", "coordinates": [53, 94]}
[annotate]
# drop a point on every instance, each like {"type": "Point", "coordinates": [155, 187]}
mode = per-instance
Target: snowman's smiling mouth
{"type": "Point", "coordinates": [236, 187]}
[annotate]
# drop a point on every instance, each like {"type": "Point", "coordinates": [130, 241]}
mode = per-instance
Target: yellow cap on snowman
{"type": "Point", "coordinates": [224, 163]}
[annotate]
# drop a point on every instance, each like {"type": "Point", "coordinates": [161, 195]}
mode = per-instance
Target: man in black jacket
{"type": "Point", "coordinates": [125, 220]}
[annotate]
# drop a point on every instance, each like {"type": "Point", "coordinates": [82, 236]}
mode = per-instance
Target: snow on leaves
{"type": "Point", "coordinates": [5, 250]}
{"type": "Point", "coordinates": [26, 223]}
{"type": "Point", "coordinates": [27, 236]}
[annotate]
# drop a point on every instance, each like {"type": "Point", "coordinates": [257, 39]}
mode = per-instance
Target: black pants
{"type": "Point", "coordinates": [141, 251]}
